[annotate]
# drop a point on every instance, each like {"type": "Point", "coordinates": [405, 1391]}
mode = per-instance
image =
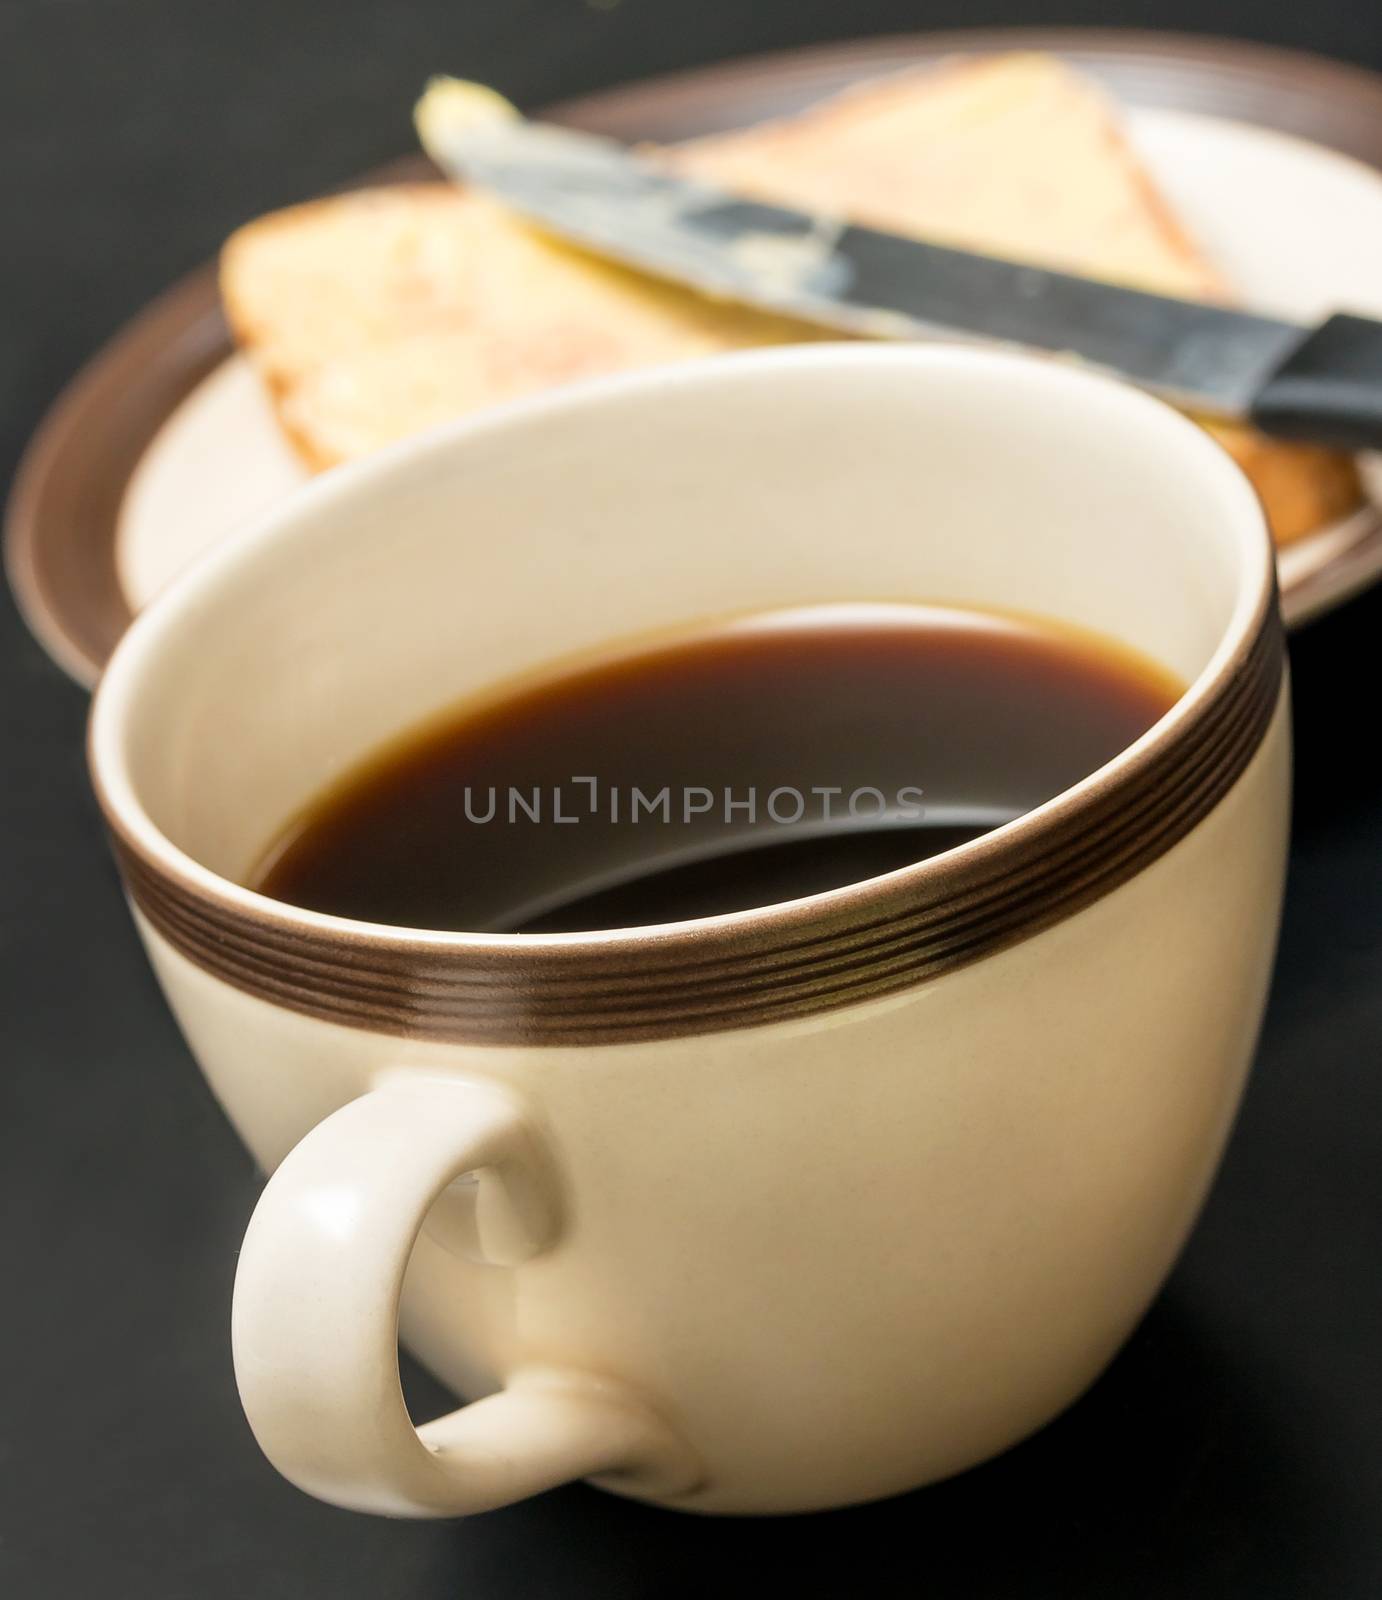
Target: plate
{"type": "Point", "coordinates": [165, 441]}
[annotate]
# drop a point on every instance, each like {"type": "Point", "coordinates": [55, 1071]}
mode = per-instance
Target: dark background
{"type": "Point", "coordinates": [1235, 1449]}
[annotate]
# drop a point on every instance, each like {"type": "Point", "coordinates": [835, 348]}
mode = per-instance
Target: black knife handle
{"type": "Point", "coordinates": [1329, 389]}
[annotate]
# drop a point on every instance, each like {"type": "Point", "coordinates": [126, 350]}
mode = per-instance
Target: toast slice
{"type": "Point", "coordinates": [1014, 155]}
{"type": "Point", "coordinates": [375, 314]}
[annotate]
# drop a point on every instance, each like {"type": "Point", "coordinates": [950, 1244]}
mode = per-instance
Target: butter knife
{"type": "Point", "coordinates": [1322, 383]}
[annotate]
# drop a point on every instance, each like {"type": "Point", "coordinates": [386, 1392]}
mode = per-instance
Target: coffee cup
{"type": "Point", "coordinates": [771, 1211]}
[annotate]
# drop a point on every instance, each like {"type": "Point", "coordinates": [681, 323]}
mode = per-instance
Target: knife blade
{"type": "Point", "coordinates": [1323, 384]}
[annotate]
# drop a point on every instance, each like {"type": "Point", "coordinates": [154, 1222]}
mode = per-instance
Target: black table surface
{"type": "Point", "coordinates": [1234, 1449]}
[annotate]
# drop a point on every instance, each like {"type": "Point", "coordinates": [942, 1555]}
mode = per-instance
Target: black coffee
{"type": "Point", "coordinates": [753, 762]}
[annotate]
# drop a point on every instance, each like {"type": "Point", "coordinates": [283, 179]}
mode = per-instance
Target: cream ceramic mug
{"type": "Point", "coordinates": [770, 1211]}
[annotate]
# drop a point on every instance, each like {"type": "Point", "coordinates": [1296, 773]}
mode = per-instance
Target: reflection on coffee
{"type": "Point", "coordinates": [743, 764]}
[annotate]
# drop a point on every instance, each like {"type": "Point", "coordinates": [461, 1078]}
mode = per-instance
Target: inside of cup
{"type": "Point", "coordinates": [388, 592]}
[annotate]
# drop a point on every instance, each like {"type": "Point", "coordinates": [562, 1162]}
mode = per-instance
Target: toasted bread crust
{"type": "Point", "coordinates": [1302, 487]}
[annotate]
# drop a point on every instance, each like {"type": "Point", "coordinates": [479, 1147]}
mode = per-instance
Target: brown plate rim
{"type": "Point", "coordinates": [61, 518]}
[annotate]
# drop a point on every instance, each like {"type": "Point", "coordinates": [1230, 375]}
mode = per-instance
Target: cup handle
{"type": "Point", "coordinates": [315, 1317]}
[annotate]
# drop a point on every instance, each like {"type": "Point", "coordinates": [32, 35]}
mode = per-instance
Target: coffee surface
{"type": "Point", "coordinates": [750, 762]}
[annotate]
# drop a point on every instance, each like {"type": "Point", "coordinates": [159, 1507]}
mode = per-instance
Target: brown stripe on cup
{"type": "Point", "coordinates": [858, 943]}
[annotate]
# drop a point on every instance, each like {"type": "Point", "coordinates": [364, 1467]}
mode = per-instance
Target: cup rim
{"type": "Point", "coordinates": [147, 855]}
